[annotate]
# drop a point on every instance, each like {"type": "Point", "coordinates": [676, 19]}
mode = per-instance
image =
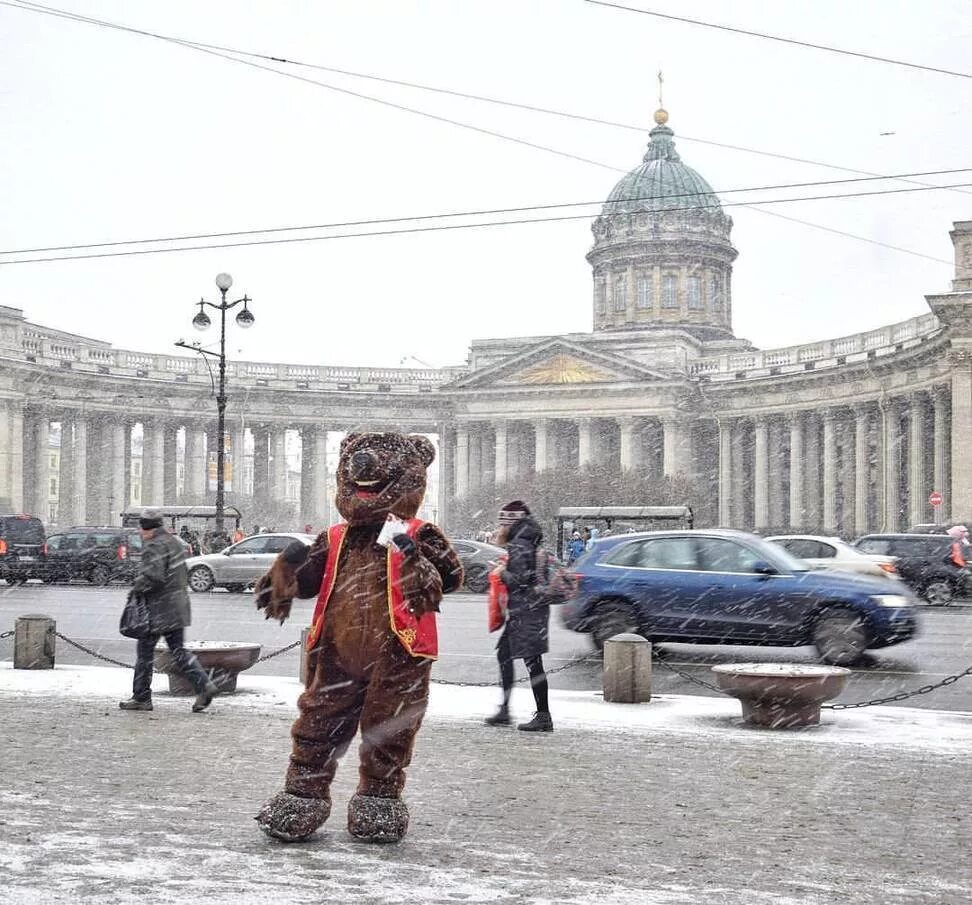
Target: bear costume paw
{"type": "Point", "coordinates": [291, 818]}
{"type": "Point", "coordinates": [375, 819]}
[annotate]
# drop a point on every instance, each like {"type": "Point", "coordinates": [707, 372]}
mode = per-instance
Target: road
{"type": "Point", "coordinates": [90, 616]}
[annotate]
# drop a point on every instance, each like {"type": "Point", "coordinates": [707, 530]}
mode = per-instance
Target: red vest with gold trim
{"type": "Point", "coordinates": [417, 634]}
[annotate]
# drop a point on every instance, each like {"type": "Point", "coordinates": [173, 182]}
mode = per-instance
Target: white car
{"type": "Point", "coordinates": [239, 565]}
{"type": "Point", "coordinates": [833, 553]}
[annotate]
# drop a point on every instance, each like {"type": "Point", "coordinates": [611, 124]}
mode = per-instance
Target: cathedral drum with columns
{"type": "Point", "coordinates": [848, 435]}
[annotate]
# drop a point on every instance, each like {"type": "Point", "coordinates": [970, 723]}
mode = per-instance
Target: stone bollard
{"type": "Point", "coordinates": [34, 641]}
{"type": "Point", "coordinates": [627, 670]}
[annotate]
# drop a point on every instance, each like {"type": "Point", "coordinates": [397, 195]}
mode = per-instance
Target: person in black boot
{"type": "Point", "coordinates": [163, 582]}
{"type": "Point", "coordinates": [525, 634]}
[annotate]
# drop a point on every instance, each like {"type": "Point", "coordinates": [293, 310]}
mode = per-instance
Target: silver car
{"type": "Point", "coordinates": [238, 566]}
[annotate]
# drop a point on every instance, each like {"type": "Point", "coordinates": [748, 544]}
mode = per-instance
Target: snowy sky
{"type": "Point", "coordinates": [111, 136]}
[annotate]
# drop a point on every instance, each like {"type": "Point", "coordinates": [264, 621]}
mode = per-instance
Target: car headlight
{"type": "Point", "coordinates": [890, 600]}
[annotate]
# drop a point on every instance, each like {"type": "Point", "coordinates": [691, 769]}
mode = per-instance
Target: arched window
{"type": "Point", "coordinates": [600, 295]}
{"type": "Point", "coordinates": [669, 291]}
{"type": "Point", "coordinates": [693, 293]}
{"type": "Point", "coordinates": [618, 288]}
{"type": "Point", "coordinates": [715, 292]}
{"type": "Point", "coordinates": [646, 291]}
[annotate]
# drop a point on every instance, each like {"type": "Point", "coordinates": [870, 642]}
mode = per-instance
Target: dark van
{"type": "Point", "coordinates": [97, 555]}
{"type": "Point", "coordinates": [22, 548]}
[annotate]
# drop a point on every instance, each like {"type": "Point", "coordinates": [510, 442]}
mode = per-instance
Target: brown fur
{"type": "Point", "coordinates": [360, 674]}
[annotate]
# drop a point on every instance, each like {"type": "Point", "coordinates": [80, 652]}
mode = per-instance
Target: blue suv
{"type": "Point", "coordinates": [729, 587]}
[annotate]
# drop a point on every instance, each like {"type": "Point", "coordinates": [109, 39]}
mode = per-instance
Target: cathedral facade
{"type": "Point", "coordinates": [847, 435]}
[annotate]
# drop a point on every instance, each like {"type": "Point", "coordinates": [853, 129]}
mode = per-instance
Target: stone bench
{"type": "Point", "coordinates": [781, 695]}
{"type": "Point", "coordinates": [223, 660]}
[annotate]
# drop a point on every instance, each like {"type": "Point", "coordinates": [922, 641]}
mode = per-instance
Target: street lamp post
{"type": "Point", "coordinates": [202, 321]}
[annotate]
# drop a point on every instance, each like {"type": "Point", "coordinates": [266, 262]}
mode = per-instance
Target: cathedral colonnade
{"type": "Point", "coordinates": [846, 469]}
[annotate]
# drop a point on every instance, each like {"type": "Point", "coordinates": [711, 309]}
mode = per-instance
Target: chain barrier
{"type": "Point", "coordinates": [570, 664]}
{"type": "Point", "coordinates": [888, 699]}
{"type": "Point", "coordinates": [902, 695]}
{"type": "Point", "coordinates": [114, 662]}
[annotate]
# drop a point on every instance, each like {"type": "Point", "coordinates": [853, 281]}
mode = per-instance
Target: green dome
{"type": "Point", "coordinates": [662, 182]}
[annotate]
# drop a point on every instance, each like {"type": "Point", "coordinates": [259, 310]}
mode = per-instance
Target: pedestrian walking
{"type": "Point", "coordinates": [575, 547]}
{"type": "Point", "coordinates": [163, 583]}
{"type": "Point", "coordinates": [958, 553]}
{"type": "Point", "coordinates": [525, 633]}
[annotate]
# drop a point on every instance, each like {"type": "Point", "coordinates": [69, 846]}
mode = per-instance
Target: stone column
{"type": "Point", "coordinates": [797, 513]}
{"type": "Point", "coordinates": [170, 451]}
{"type": "Point", "coordinates": [778, 506]}
{"type": "Point", "coordinates": [675, 447]}
{"type": "Point", "coordinates": [462, 461]}
{"type": "Point", "coordinates": [740, 509]}
{"type": "Point", "coordinates": [41, 453]}
{"type": "Point", "coordinates": [261, 464]}
{"type": "Point", "coordinates": [118, 495]}
{"type": "Point", "coordinates": [196, 472]}
{"type": "Point", "coordinates": [79, 471]}
{"type": "Point", "coordinates": [501, 431]}
{"type": "Point", "coordinates": [313, 475]}
{"type": "Point", "coordinates": [829, 472]}
{"type": "Point", "coordinates": [811, 471]}
{"type": "Point", "coordinates": [583, 442]}
{"type": "Point", "coordinates": [917, 492]}
{"type": "Point", "coordinates": [862, 423]}
{"type": "Point", "coordinates": [476, 464]}
{"type": "Point", "coordinates": [626, 431]}
{"type": "Point", "coordinates": [278, 465]}
{"type": "Point", "coordinates": [153, 463]}
{"type": "Point", "coordinates": [446, 473]}
{"type": "Point", "coordinates": [940, 403]}
{"type": "Point", "coordinates": [238, 458]}
{"type": "Point", "coordinates": [961, 431]}
{"type": "Point", "coordinates": [761, 473]}
{"type": "Point", "coordinates": [12, 454]}
{"type": "Point", "coordinates": [540, 438]}
{"type": "Point", "coordinates": [890, 465]}
{"type": "Point", "coordinates": [725, 472]}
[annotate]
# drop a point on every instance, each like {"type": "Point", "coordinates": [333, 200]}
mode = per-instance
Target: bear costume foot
{"type": "Point", "coordinates": [374, 819]}
{"type": "Point", "coordinates": [291, 818]}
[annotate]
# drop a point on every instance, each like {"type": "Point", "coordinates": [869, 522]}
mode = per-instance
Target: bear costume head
{"type": "Point", "coordinates": [379, 474]}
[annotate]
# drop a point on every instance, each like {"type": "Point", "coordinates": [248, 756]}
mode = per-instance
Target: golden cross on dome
{"type": "Point", "coordinates": [661, 114]}
{"type": "Point", "coordinates": [661, 82]}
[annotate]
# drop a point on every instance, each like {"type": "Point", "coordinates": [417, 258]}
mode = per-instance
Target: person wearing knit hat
{"type": "Point", "coordinates": [162, 582]}
{"type": "Point", "coordinates": [525, 633]}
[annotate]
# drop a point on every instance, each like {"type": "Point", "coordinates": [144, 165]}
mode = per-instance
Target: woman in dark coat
{"type": "Point", "coordinates": [525, 635]}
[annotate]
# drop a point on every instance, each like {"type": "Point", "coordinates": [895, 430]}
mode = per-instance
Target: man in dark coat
{"type": "Point", "coordinates": [525, 635]}
{"type": "Point", "coordinates": [163, 582]}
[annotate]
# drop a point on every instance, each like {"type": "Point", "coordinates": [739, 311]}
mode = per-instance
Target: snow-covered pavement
{"type": "Point", "coordinates": [669, 803]}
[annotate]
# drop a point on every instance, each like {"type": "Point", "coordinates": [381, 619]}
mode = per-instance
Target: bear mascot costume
{"type": "Point", "coordinates": [371, 642]}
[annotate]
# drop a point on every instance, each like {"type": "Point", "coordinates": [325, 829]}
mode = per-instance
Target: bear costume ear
{"type": "Point", "coordinates": [423, 446]}
{"type": "Point", "coordinates": [348, 440]}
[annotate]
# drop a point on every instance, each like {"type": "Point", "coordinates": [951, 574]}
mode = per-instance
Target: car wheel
{"type": "Point", "coordinates": [841, 636]}
{"type": "Point", "coordinates": [938, 592]}
{"type": "Point", "coordinates": [99, 575]}
{"type": "Point", "coordinates": [612, 617]}
{"type": "Point", "coordinates": [476, 580]}
{"type": "Point", "coordinates": [235, 588]}
{"type": "Point", "coordinates": [201, 579]}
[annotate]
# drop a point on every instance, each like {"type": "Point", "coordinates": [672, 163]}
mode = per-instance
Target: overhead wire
{"type": "Point", "coordinates": [533, 108]}
{"type": "Point", "coordinates": [458, 226]}
{"type": "Point", "coordinates": [29, 6]}
{"type": "Point", "coordinates": [767, 37]}
{"type": "Point", "coordinates": [489, 212]}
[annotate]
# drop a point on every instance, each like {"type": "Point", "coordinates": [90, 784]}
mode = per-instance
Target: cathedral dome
{"type": "Point", "coordinates": [663, 252]}
{"type": "Point", "coordinates": [662, 182]}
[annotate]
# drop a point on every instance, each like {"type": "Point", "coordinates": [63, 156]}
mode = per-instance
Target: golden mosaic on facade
{"type": "Point", "coordinates": [563, 369]}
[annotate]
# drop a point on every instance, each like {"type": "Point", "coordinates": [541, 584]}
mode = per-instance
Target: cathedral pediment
{"type": "Point", "coordinates": [558, 362]}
